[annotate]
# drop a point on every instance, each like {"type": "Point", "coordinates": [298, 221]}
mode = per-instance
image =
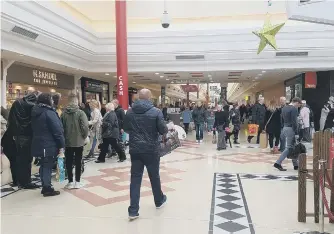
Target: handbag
{"type": "Point", "coordinates": [265, 127]}
{"type": "Point", "coordinates": [214, 138]}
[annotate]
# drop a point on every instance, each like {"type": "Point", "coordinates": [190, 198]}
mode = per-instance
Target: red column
{"type": "Point", "coordinates": [122, 54]}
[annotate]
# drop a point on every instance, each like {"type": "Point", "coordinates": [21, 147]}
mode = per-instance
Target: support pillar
{"type": "Point", "coordinates": [188, 101]}
{"type": "Point", "coordinates": [163, 95]}
{"type": "Point", "coordinates": [122, 54]}
{"type": "Point", "coordinates": [5, 64]}
{"type": "Point", "coordinates": [77, 87]}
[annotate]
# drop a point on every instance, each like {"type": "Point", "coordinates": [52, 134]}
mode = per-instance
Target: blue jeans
{"type": "Point", "coordinates": [152, 163]}
{"type": "Point", "coordinates": [45, 170]}
{"type": "Point", "coordinates": [93, 145]}
{"type": "Point", "coordinates": [282, 142]}
{"type": "Point", "coordinates": [288, 135]}
{"type": "Point", "coordinates": [199, 131]}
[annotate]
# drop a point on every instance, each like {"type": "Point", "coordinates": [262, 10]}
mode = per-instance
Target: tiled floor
{"type": "Point", "coordinates": [233, 191]}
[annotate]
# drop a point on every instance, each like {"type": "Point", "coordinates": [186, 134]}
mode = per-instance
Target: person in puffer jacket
{"type": "Point", "coordinates": [144, 123]}
{"type": "Point", "coordinates": [48, 139]}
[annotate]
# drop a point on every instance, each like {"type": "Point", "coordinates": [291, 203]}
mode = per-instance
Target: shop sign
{"type": "Point", "coordinates": [120, 86]}
{"type": "Point", "coordinates": [45, 78]}
{"type": "Point", "coordinates": [310, 80]}
{"type": "Point", "coordinates": [93, 85]}
{"type": "Point", "coordinates": [189, 88]}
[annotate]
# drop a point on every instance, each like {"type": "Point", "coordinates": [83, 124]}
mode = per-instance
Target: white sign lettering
{"type": "Point", "coordinates": [120, 86]}
{"type": "Point", "coordinates": [46, 78]}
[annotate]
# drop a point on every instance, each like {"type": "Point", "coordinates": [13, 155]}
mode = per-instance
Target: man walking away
{"type": "Point", "coordinates": [282, 138]}
{"type": "Point", "coordinates": [199, 118]}
{"type": "Point", "coordinates": [258, 117]}
{"type": "Point", "coordinates": [235, 117]}
{"type": "Point", "coordinates": [221, 122]}
{"type": "Point", "coordinates": [75, 125]}
{"type": "Point", "coordinates": [305, 122]}
{"type": "Point", "coordinates": [19, 126]}
{"type": "Point", "coordinates": [290, 131]}
{"type": "Point", "coordinates": [144, 123]}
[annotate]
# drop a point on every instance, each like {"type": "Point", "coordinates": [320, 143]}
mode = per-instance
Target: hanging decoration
{"type": "Point", "coordinates": [267, 33]}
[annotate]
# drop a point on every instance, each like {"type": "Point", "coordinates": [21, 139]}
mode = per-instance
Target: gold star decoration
{"type": "Point", "coordinates": [267, 34]}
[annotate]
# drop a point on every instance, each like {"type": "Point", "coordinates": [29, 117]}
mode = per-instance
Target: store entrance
{"type": "Point", "coordinates": [93, 96]}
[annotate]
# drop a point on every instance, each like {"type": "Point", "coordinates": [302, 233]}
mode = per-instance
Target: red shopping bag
{"type": "Point", "coordinates": [253, 129]}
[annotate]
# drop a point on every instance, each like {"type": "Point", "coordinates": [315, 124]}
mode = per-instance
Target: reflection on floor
{"type": "Point", "coordinates": [232, 191]}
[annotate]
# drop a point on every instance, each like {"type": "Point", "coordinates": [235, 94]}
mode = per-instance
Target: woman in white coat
{"type": "Point", "coordinates": [323, 117]}
{"type": "Point", "coordinates": [95, 125]}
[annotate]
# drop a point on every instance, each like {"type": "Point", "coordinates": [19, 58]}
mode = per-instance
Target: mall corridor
{"type": "Point", "coordinates": [209, 191]}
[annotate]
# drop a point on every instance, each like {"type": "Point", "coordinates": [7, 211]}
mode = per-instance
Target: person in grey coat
{"type": "Point", "coordinates": [199, 117]}
{"type": "Point", "coordinates": [258, 117]}
{"type": "Point", "coordinates": [110, 135]}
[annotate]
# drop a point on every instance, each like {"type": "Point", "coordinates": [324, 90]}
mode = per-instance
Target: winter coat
{"type": "Point", "coordinates": [144, 123]}
{"type": "Point", "coordinates": [199, 115]}
{"type": "Point", "coordinates": [75, 125]}
{"type": "Point", "coordinates": [186, 116]}
{"type": "Point", "coordinates": [259, 115]}
{"type": "Point", "coordinates": [109, 128]}
{"type": "Point", "coordinates": [3, 125]}
{"type": "Point", "coordinates": [324, 113]}
{"type": "Point", "coordinates": [329, 120]}
{"type": "Point", "coordinates": [4, 113]}
{"type": "Point", "coordinates": [48, 133]}
{"type": "Point", "coordinates": [273, 121]}
{"type": "Point", "coordinates": [222, 118]}
{"type": "Point", "coordinates": [235, 117]}
{"type": "Point", "coordinates": [305, 117]}
{"type": "Point", "coordinates": [120, 117]}
{"type": "Point", "coordinates": [95, 124]}
{"type": "Point", "coordinates": [19, 120]}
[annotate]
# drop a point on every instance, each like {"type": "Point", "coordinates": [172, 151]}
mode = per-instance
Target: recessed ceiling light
{"type": "Point", "coordinates": [167, 79]}
{"type": "Point", "coordinates": [115, 76]}
{"type": "Point", "coordinates": [107, 74]}
{"type": "Point", "coordinates": [263, 71]}
{"type": "Point", "coordinates": [172, 82]}
{"type": "Point", "coordinates": [134, 82]}
{"type": "Point", "coordinates": [21, 55]}
{"type": "Point", "coordinates": [209, 75]}
{"type": "Point", "coordinates": [161, 76]}
{"type": "Point", "coordinates": [260, 74]}
{"type": "Point", "coordinates": [157, 73]}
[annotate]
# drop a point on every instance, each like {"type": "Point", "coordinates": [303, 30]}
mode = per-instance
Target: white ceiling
{"type": "Point", "coordinates": [105, 10]}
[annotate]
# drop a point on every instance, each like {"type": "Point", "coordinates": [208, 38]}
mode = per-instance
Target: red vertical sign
{"type": "Point", "coordinates": [310, 80]}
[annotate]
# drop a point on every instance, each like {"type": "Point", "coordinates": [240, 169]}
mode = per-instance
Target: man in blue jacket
{"type": "Point", "coordinates": [144, 123]}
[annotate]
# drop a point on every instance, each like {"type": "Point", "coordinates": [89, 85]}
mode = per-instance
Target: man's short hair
{"type": "Point", "coordinates": [73, 99]}
{"type": "Point", "coordinates": [296, 100]}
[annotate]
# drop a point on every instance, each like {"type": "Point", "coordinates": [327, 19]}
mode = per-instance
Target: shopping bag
{"type": "Point", "coordinates": [299, 148]}
{"type": "Point", "coordinates": [214, 139]}
{"type": "Point", "coordinates": [263, 140]}
{"type": "Point", "coordinates": [169, 143]}
{"type": "Point", "coordinates": [253, 129]}
{"type": "Point", "coordinates": [60, 174]}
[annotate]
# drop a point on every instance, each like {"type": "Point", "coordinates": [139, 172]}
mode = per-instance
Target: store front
{"type": "Point", "coordinates": [294, 87]}
{"type": "Point", "coordinates": [23, 79]}
{"type": "Point", "coordinates": [131, 91]}
{"type": "Point", "coordinates": [94, 90]}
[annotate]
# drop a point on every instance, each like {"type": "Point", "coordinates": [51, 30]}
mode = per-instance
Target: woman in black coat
{"type": "Point", "coordinates": [273, 125]}
{"type": "Point", "coordinates": [48, 139]}
{"type": "Point", "coordinates": [110, 135]}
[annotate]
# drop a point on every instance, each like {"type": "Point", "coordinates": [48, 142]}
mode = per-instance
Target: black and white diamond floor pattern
{"type": "Point", "coordinates": [8, 189]}
{"type": "Point", "coordinates": [269, 177]}
{"type": "Point", "coordinates": [229, 211]}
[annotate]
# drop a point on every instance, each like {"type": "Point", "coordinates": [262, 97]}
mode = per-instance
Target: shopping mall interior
{"type": "Point", "coordinates": [185, 52]}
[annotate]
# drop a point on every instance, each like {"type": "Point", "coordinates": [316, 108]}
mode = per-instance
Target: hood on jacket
{"type": "Point", "coordinates": [72, 108]}
{"type": "Point", "coordinates": [141, 106]}
{"type": "Point", "coordinates": [30, 98]}
{"type": "Point", "coordinates": [39, 109]}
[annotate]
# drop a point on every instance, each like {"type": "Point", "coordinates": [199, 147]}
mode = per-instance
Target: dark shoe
{"type": "Point", "coordinates": [36, 162]}
{"type": "Point", "coordinates": [164, 201]}
{"type": "Point", "coordinates": [236, 143]}
{"type": "Point", "coordinates": [90, 155]}
{"type": "Point", "coordinates": [14, 184]}
{"type": "Point", "coordinates": [279, 167]}
{"type": "Point", "coordinates": [50, 192]}
{"type": "Point", "coordinates": [249, 139]}
{"type": "Point", "coordinates": [296, 168]}
{"type": "Point", "coordinates": [30, 186]}
{"type": "Point", "coordinates": [121, 160]}
{"type": "Point", "coordinates": [99, 161]}
{"type": "Point", "coordinates": [219, 149]}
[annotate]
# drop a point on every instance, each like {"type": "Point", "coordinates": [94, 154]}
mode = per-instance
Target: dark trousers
{"type": "Point", "coordinates": [186, 127]}
{"type": "Point", "coordinates": [23, 160]}
{"type": "Point", "coordinates": [73, 154]}
{"type": "Point", "coordinates": [45, 170]}
{"type": "Point", "coordinates": [105, 148]}
{"type": "Point", "coordinates": [12, 163]}
{"type": "Point", "coordinates": [236, 134]}
{"type": "Point", "coordinates": [199, 131]}
{"type": "Point", "coordinates": [273, 136]}
{"type": "Point", "coordinates": [152, 163]}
